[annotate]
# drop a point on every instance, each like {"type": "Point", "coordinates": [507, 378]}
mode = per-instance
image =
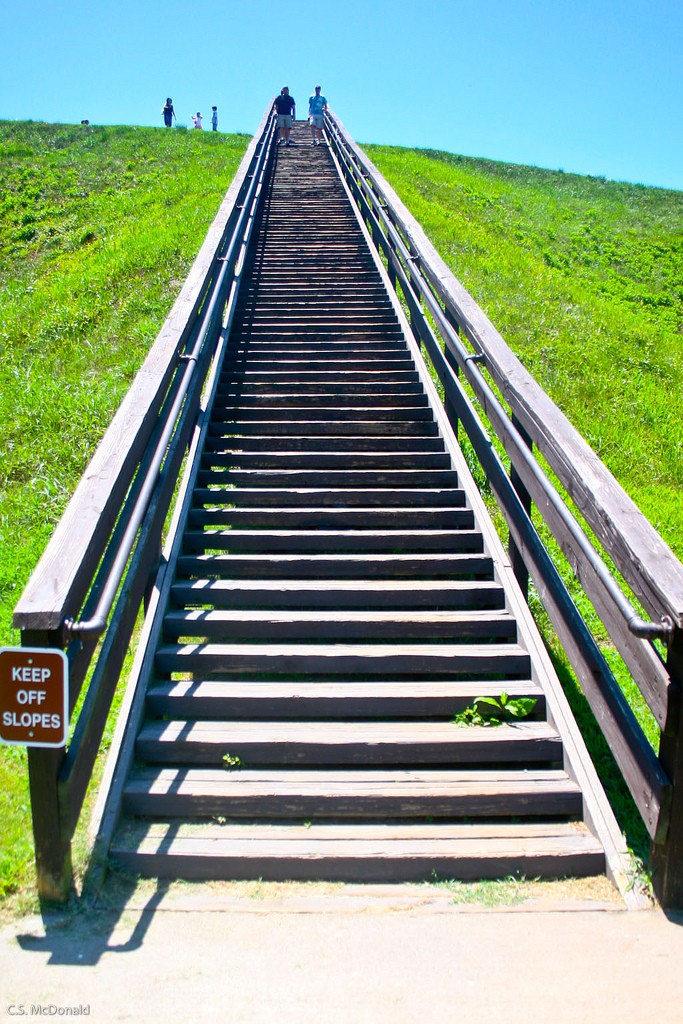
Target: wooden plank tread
{"type": "Point", "coordinates": [186, 741]}
{"type": "Point", "coordinates": [384, 659]}
{"type": "Point", "coordinates": [356, 852]}
{"type": "Point", "coordinates": [241, 699]}
{"type": "Point", "coordinates": [359, 794]}
{"type": "Point", "coordinates": [571, 831]}
{"type": "Point", "coordinates": [362, 625]}
{"type": "Point", "coordinates": [357, 593]}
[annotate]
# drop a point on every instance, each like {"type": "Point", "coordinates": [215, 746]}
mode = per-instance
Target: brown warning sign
{"type": "Point", "coordinates": [34, 708]}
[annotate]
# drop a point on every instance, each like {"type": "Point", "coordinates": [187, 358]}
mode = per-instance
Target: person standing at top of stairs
{"type": "Point", "coordinates": [285, 108]}
{"type": "Point", "coordinates": [317, 105]}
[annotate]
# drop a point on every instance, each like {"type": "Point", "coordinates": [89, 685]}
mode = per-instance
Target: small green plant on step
{"type": "Point", "coordinates": [231, 762]}
{"type": "Point", "coordinates": [495, 710]}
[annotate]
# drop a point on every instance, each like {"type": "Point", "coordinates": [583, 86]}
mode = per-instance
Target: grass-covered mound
{"type": "Point", "coordinates": [98, 228]}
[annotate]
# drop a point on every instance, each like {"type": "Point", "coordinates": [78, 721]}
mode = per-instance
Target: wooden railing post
{"type": "Point", "coordinates": [52, 850]}
{"type": "Point", "coordinates": [666, 859]}
{"type": "Point", "coordinates": [518, 567]}
{"type": "Point", "coordinates": [453, 363]}
{"type": "Point", "coordinates": [390, 269]}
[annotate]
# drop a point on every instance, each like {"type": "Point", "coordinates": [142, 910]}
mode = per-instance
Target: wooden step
{"type": "Point", "coordinates": [356, 626]}
{"type": "Point", "coordinates": [333, 518]}
{"type": "Point", "coordinates": [217, 441]}
{"type": "Point", "coordinates": [321, 360]}
{"type": "Point", "coordinates": [501, 661]}
{"type": "Point", "coordinates": [338, 411]}
{"type": "Point", "coordinates": [296, 593]}
{"type": "Point", "coordinates": [330, 428]}
{"type": "Point", "coordinates": [256, 303]}
{"type": "Point", "coordinates": [303, 321]}
{"type": "Point", "coordinates": [314, 743]}
{"type": "Point", "coordinates": [327, 478]}
{"type": "Point", "coordinates": [363, 853]}
{"type": "Point", "coordinates": [256, 356]}
{"type": "Point", "coordinates": [269, 334]}
{"type": "Point", "coordinates": [240, 699]}
{"type": "Point", "coordinates": [307, 497]}
{"type": "Point", "coordinates": [262, 390]}
{"type": "Point", "coordinates": [243, 399]}
{"type": "Point", "coordinates": [311, 378]}
{"type": "Point", "coordinates": [274, 460]}
{"type": "Point", "coordinates": [337, 567]}
{"type": "Point", "coordinates": [348, 541]}
{"type": "Point", "coordinates": [398, 794]}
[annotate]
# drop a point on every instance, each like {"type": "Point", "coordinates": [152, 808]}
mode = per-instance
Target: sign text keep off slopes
{"type": "Point", "coordinates": [33, 696]}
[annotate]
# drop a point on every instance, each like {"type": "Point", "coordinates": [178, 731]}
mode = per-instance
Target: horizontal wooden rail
{"type": "Point", "coordinates": [646, 563]}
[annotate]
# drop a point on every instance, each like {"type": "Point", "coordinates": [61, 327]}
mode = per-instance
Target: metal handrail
{"type": "Point", "coordinates": [97, 624]}
{"type": "Point", "coordinates": [505, 428]}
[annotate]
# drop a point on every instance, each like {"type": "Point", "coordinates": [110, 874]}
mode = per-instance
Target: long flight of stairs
{"type": "Point", "coordinates": [334, 606]}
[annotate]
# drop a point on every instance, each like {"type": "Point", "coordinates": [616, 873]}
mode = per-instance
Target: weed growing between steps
{"type": "Point", "coordinates": [495, 710]}
{"type": "Point", "coordinates": [98, 229]}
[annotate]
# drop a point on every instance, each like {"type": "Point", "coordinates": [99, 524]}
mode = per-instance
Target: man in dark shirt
{"type": "Point", "coordinates": [285, 108]}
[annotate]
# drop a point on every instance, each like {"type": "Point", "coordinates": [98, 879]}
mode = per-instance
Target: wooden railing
{"type": "Point", "coordinates": [466, 346]}
{"type": "Point", "coordinates": [88, 587]}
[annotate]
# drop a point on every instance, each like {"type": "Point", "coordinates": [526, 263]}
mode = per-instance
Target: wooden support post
{"type": "Point", "coordinates": [518, 567]}
{"type": "Point", "coordinates": [453, 363]}
{"type": "Point", "coordinates": [390, 269]}
{"type": "Point", "coordinates": [666, 859]}
{"type": "Point", "coordinates": [375, 234]}
{"type": "Point", "coordinates": [52, 849]}
{"type": "Point", "coordinates": [149, 588]}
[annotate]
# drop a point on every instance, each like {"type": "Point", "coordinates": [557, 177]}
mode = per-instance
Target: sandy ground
{"type": "Point", "coordinates": [258, 952]}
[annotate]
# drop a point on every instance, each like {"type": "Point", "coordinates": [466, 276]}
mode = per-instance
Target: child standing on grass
{"type": "Point", "coordinates": [197, 120]}
{"type": "Point", "coordinates": [214, 118]}
{"type": "Point", "coordinates": [168, 112]}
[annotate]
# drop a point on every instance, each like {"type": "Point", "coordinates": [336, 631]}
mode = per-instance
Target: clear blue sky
{"type": "Point", "coordinates": [594, 86]}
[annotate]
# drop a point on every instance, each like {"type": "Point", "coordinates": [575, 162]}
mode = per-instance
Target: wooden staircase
{"type": "Point", "coordinates": [335, 604]}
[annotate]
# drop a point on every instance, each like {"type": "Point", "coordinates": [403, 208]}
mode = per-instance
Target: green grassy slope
{"type": "Point", "coordinates": [583, 277]}
{"type": "Point", "coordinates": [98, 228]}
